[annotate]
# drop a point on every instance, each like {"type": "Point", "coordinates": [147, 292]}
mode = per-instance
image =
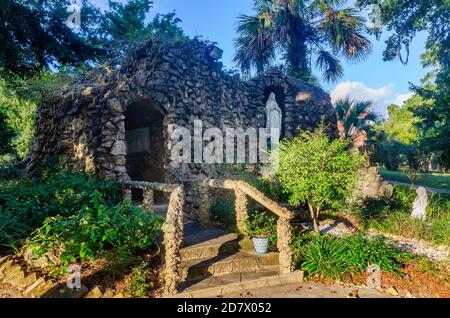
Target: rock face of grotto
{"type": "Point", "coordinates": [118, 121]}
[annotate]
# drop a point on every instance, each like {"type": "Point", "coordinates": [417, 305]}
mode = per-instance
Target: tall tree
{"type": "Point", "coordinates": [39, 50]}
{"type": "Point", "coordinates": [401, 123]}
{"type": "Point", "coordinates": [404, 19]}
{"type": "Point", "coordinates": [125, 20]}
{"type": "Point", "coordinates": [301, 30]}
{"type": "Point", "coordinates": [34, 35]}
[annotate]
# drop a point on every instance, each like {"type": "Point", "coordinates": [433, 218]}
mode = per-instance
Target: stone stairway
{"type": "Point", "coordinates": [213, 261]}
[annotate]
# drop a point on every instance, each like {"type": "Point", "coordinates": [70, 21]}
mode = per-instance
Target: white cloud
{"type": "Point", "coordinates": [400, 99]}
{"type": "Point", "coordinates": [380, 97]}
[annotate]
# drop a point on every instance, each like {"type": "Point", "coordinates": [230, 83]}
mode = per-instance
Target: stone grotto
{"type": "Point", "coordinates": [118, 119]}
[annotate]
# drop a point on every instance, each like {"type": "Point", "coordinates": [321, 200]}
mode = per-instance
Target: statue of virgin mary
{"type": "Point", "coordinates": [273, 117]}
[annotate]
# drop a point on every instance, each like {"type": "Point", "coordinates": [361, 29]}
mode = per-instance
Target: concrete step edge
{"type": "Point", "coordinates": [270, 281]}
{"type": "Point", "coordinates": [212, 262]}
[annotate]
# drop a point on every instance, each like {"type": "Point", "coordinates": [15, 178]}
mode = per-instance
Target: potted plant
{"type": "Point", "coordinates": [260, 227]}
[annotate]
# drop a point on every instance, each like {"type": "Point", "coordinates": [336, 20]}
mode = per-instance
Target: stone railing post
{"type": "Point", "coordinates": [284, 235]}
{"type": "Point", "coordinates": [173, 240]}
{"type": "Point", "coordinates": [241, 206]}
{"type": "Point", "coordinates": [126, 193]}
{"type": "Point", "coordinates": [204, 205]}
{"type": "Point", "coordinates": [148, 199]}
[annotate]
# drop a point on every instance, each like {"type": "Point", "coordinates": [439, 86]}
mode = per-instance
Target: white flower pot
{"type": "Point", "coordinates": [261, 245]}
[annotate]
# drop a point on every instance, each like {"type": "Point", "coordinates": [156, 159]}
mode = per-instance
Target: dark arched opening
{"type": "Point", "coordinates": [146, 144]}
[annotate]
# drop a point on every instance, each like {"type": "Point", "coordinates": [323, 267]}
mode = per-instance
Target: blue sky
{"type": "Point", "coordinates": [382, 82]}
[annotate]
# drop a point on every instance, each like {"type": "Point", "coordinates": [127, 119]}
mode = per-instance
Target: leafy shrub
{"type": "Point", "coordinates": [324, 258]}
{"type": "Point", "coordinates": [317, 170]}
{"type": "Point", "coordinates": [96, 228]}
{"type": "Point", "coordinates": [223, 211]}
{"type": "Point", "coordinates": [440, 230]}
{"type": "Point", "coordinates": [438, 205]}
{"type": "Point", "coordinates": [327, 257]}
{"type": "Point", "coordinates": [361, 251]}
{"type": "Point", "coordinates": [271, 188]}
{"type": "Point", "coordinates": [299, 240]}
{"type": "Point", "coordinates": [250, 174]}
{"type": "Point", "coordinates": [262, 224]}
{"type": "Point", "coordinates": [143, 280]}
{"type": "Point", "coordinates": [26, 202]}
{"type": "Point", "coordinates": [6, 134]}
{"type": "Point", "coordinates": [8, 168]}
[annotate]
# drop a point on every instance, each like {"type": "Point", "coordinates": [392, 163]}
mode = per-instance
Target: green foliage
{"type": "Point", "coordinates": [34, 35]}
{"type": "Point", "coordinates": [301, 31]}
{"type": "Point", "coordinates": [19, 118]}
{"type": "Point", "coordinates": [224, 212]}
{"type": "Point", "coordinates": [378, 250]}
{"type": "Point", "coordinates": [125, 20]}
{"type": "Point", "coordinates": [262, 225]}
{"type": "Point", "coordinates": [96, 228]}
{"type": "Point", "coordinates": [26, 202]}
{"type": "Point", "coordinates": [299, 240]}
{"type": "Point", "coordinates": [401, 123]}
{"type": "Point", "coordinates": [143, 280]}
{"type": "Point", "coordinates": [394, 216]}
{"type": "Point", "coordinates": [18, 103]}
{"type": "Point", "coordinates": [324, 258]}
{"type": "Point", "coordinates": [354, 118]}
{"type": "Point", "coordinates": [434, 117]}
{"type": "Point", "coordinates": [270, 187]}
{"type": "Point", "coordinates": [327, 257]}
{"type": "Point", "coordinates": [6, 134]}
{"type": "Point", "coordinates": [316, 170]}
{"type": "Point", "coordinates": [399, 143]}
{"type": "Point", "coordinates": [403, 20]}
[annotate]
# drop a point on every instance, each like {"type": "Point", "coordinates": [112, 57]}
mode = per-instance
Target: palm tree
{"type": "Point", "coordinates": [355, 120]}
{"type": "Point", "coordinates": [301, 30]}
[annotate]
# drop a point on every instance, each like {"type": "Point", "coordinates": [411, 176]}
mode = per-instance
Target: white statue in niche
{"type": "Point", "coordinates": [274, 118]}
{"type": "Point", "coordinates": [420, 205]}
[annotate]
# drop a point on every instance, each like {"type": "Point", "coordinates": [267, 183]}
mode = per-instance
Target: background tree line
{"type": "Point", "coordinates": [416, 136]}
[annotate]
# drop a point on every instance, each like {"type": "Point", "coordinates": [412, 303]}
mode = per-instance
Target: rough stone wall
{"type": "Point", "coordinates": [372, 185]}
{"type": "Point", "coordinates": [86, 124]}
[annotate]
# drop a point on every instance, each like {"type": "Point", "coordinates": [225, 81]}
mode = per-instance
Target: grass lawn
{"type": "Point", "coordinates": [432, 180]}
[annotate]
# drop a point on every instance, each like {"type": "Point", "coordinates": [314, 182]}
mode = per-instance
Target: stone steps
{"type": "Point", "coordinates": [224, 244]}
{"type": "Point", "coordinates": [243, 283]}
{"type": "Point", "coordinates": [215, 253]}
{"type": "Point", "coordinates": [28, 285]}
{"type": "Point", "coordinates": [241, 262]}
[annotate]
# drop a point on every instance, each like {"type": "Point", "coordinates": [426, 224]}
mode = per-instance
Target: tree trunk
{"type": "Point", "coordinates": [314, 217]}
{"type": "Point", "coordinates": [298, 60]}
{"type": "Point", "coordinates": [297, 50]}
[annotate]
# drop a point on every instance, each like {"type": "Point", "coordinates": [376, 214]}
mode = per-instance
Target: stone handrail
{"type": "Point", "coordinates": [242, 191]}
{"type": "Point", "coordinates": [172, 228]}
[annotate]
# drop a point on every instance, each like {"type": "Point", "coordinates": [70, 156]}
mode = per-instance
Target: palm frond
{"type": "Point", "coordinates": [330, 65]}
{"type": "Point", "coordinates": [343, 108]}
{"type": "Point", "coordinates": [354, 116]}
{"type": "Point", "coordinates": [344, 29]}
{"type": "Point", "coordinates": [255, 46]}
